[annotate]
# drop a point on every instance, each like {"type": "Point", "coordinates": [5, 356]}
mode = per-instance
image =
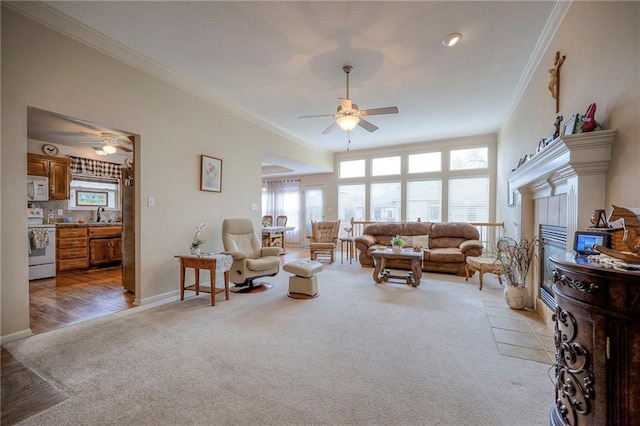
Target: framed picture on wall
{"type": "Point", "coordinates": [210, 174]}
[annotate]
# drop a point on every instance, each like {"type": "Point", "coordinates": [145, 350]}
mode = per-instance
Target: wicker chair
{"type": "Point", "coordinates": [324, 239]}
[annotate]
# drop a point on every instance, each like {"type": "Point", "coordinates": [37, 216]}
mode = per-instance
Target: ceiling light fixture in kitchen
{"type": "Point", "coordinates": [109, 149]}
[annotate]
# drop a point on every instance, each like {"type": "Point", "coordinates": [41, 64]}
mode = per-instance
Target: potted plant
{"type": "Point", "coordinates": [397, 243]}
{"type": "Point", "coordinates": [197, 242]}
{"type": "Point", "coordinates": [514, 260]}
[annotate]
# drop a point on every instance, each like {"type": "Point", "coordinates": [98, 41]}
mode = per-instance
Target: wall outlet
{"type": "Point", "coordinates": [254, 207]}
{"type": "Point", "coordinates": [60, 212]}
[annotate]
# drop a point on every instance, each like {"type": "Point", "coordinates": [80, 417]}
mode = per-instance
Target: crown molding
{"type": "Point", "coordinates": [52, 18]}
{"type": "Point", "coordinates": [553, 23]}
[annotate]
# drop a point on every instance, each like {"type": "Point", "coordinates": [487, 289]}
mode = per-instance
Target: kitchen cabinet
{"type": "Point", "coordinates": [57, 169]}
{"type": "Point", "coordinates": [105, 244]}
{"type": "Point", "coordinates": [72, 250]}
{"type": "Point", "coordinates": [597, 343]}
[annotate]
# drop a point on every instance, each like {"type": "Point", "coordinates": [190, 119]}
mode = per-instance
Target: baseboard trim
{"type": "Point", "coordinates": [16, 336]}
{"type": "Point", "coordinates": [160, 299]}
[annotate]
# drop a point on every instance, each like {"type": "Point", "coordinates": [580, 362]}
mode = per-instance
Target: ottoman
{"type": "Point", "coordinates": [304, 283]}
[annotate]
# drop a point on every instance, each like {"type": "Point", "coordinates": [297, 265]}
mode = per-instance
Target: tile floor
{"type": "Point", "coordinates": [520, 333]}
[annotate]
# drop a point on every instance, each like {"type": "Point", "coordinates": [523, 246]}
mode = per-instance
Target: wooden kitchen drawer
{"type": "Point", "coordinates": [64, 243]}
{"type": "Point", "coordinates": [73, 253]}
{"type": "Point", "coordinates": [71, 232]}
{"type": "Point", "coordinates": [105, 231]}
{"type": "Point", "coordinates": [69, 264]}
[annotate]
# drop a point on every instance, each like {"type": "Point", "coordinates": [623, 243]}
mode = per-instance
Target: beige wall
{"type": "Point", "coordinates": [602, 43]}
{"type": "Point", "coordinates": [44, 69]}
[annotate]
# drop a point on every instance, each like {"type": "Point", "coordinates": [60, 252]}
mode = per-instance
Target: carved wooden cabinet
{"type": "Point", "coordinates": [597, 341]}
{"type": "Point", "coordinates": [56, 169]}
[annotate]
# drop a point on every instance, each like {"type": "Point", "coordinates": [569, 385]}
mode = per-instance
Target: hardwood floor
{"type": "Point", "coordinates": [55, 303]}
{"type": "Point", "coordinates": [72, 298]}
{"type": "Point", "coordinates": [24, 393]}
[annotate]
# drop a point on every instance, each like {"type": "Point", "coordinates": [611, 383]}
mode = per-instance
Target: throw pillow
{"type": "Point", "coordinates": [408, 240]}
{"type": "Point", "coordinates": [421, 240]}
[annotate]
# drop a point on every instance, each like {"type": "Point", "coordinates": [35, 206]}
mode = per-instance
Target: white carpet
{"type": "Point", "coordinates": [361, 353]}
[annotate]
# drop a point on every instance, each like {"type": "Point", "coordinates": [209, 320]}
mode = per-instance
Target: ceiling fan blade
{"type": "Point", "coordinates": [367, 126]}
{"type": "Point", "coordinates": [320, 115]}
{"type": "Point", "coordinates": [380, 111]}
{"type": "Point", "coordinates": [124, 148]}
{"type": "Point", "coordinates": [330, 128]}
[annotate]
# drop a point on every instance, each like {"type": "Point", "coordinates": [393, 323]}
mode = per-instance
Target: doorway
{"type": "Point", "coordinates": [314, 207]}
{"type": "Point", "coordinates": [100, 157]}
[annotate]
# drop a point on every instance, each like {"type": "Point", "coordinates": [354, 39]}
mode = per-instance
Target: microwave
{"type": "Point", "coordinates": [37, 188]}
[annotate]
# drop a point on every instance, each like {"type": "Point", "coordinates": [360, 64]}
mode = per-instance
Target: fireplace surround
{"type": "Point", "coordinates": [566, 178]}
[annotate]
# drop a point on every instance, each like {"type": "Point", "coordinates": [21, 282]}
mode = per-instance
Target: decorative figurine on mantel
{"type": "Point", "coordinates": [554, 84]}
{"type": "Point", "coordinates": [557, 123]}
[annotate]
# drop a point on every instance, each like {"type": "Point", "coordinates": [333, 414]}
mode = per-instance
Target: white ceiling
{"type": "Point", "coordinates": [274, 61]}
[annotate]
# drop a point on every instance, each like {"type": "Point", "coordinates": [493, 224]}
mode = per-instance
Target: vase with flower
{"type": "Point", "coordinates": [348, 230]}
{"type": "Point", "coordinates": [397, 243]}
{"type": "Point", "coordinates": [514, 259]}
{"type": "Point", "coordinates": [197, 241]}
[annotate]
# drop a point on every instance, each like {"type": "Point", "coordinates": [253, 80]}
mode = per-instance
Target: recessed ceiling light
{"type": "Point", "coordinates": [452, 39]}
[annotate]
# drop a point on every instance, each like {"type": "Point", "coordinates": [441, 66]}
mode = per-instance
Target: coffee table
{"type": "Point", "coordinates": [381, 274]}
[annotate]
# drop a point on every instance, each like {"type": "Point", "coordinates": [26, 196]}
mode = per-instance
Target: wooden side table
{"type": "Point", "coordinates": [350, 243]}
{"type": "Point", "coordinates": [210, 263]}
{"type": "Point", "coordinates": [484, 265]}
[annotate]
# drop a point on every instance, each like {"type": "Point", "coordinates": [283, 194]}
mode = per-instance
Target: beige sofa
{"type": "Point", "coordinates": [449, 244]}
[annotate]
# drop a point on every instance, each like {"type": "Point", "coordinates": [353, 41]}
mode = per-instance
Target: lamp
{"type": "Point", "coordinates": [452, 39]}
{"type": "Point", "coordinates": [348, 122]}
{"type": "Point", "coordinates": [109, 149]}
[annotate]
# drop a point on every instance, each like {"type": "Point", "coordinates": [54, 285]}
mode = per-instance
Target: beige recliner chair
{"type": "Point", "coordinates": [250, 259]}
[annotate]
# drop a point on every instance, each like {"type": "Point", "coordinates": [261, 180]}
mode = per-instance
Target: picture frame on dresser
{"type": "Point", "coordinates": [511, 196]}
{"type": "Point", "coordinates": [570, 126]}
{"type": "Point", "coordinates": [210, 174]}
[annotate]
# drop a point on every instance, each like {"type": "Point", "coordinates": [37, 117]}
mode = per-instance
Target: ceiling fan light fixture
{"type": "Point", "coordinates": [109, 149]}
{"type": "Point", "coordinates": [348, 122]}
{"type": "Point", "coordinates": [452, 39]}
{"type": "Point", "coordinates": [99, 151]}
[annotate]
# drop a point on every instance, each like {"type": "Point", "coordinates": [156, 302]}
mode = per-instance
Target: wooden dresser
{"type": "Point", "coordinates": [597, 344]}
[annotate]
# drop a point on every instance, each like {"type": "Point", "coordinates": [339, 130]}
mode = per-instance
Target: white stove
{"type": "Point", "coordinates": [42, 245]}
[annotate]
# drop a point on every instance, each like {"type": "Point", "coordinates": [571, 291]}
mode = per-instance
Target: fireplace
{"type": "Point", "coordinates": [557, 189]}
{"type": "Point", "coordinates": [555, 242]}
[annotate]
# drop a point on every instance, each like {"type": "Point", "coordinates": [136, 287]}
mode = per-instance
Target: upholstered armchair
{"type": "Point", "coordinates": [250, 259]}
{"type": "Point", "coordinates": [324, 239]}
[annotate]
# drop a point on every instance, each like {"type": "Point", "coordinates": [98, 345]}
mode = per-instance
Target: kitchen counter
{"type": "Point", "coordinates": [80, 225]}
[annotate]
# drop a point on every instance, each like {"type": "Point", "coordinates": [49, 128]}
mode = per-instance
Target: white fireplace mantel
{"type": "Point", "coordinates": [575, 165]}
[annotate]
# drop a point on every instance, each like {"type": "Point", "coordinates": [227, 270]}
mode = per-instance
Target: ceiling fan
{"type": "Point", "coordinates": [111, 142]}
{"type": "Point", "coordinates": [348, 116]}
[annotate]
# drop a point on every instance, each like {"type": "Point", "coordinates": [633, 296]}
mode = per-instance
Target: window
{"type": "Point", "coordinates": [385, 166]}
{"type": "Point", "coordinates": [351, 169]}
{"type": "Point", "coordinates": [469, 158]}
{"type": "Point", "coordinates": [469, 199]}
{"type": "Point", "coordinates": [385, 202]}
{"type": "Point", "coordinates": [351, 200]}
{"type": "Point", "coordinates": [424, 200]}
{"type": "Point", "coordinates": [425, 162]}
{"type": "Point", "coordinates": [88, 194]}
{"type": "Point", "coordinates": [434, 183]}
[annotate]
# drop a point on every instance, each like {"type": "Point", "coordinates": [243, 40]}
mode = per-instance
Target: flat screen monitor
{"type": "Point", "coordinates": [585, 240]}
